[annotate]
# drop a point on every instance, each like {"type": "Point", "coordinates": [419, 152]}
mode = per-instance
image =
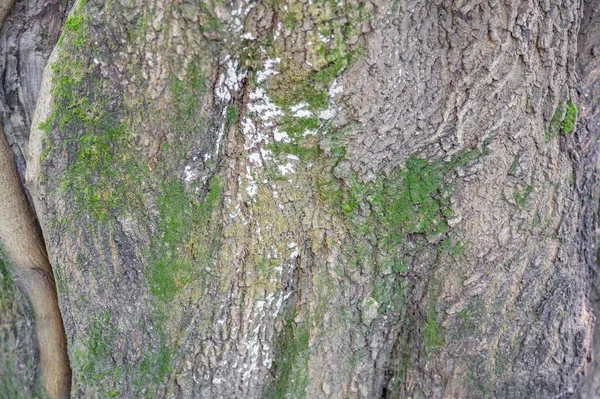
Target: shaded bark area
{"type": "Point", "coordinates": [20, 372]}
{"type": "Point", "coordinates": [28, 36]}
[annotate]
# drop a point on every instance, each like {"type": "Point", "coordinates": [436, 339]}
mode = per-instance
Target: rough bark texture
{"type": "Point", "coordinates": [320, 199]}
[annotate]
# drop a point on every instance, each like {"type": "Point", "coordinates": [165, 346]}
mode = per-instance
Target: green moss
{"type": "Point", "coordinates": [433, 335]}
{"type": "Point", "coordinates": [186, 97]}
{"type": "Point", "coordinates": [98, 176]}
{"type": "Point", "coordinates": [208, 18]}
{"type": "Point", "coordinates": [500, 361]}
{"type": "Point", "coordinates": [305, 153]}
{"type": "Point", "coordinates": [186, 242]}
{"type": "Point", "coordinates": [570, 120]}
{"type": "Point", "coordinates": [420, 203]}
{"type": "Point", "coordinates": [297, 85]}
{"type": "Point", "coordinates": [61, 284]}
{"type": "Point", "coordinates": [292, 353]}
{"type": "Point", "coordinates": [97, 140]}
{"type": "Point", "coordinates": [522, 198]}
{"type": "Point", "coordinates": [394, 219]}
{"type": "Point", "coordinates": [74, 22]}
{"type": "Point", "coordinates": [413, 200]}
{"type": "Point", "coordinates": [153, 370]}
{"type": "Point", "coordinates": [451, 247]}
{"type": "Point", "coordinates": [93, 362]}
{"type": "Point", "coordinates": [290, 20]}
{"type": "Point", "coordinates": [7, 285]}
{"type": "Point", "coordinates": [75, 25]}
{"type": "Point", "coordinates": [514, 167]}
{"type": "Point", "coordinates": [296, 127]}
{"type": "Point", "coordinates": [563, 121]}
{"type": "Point", "coordinates": [471, 318]}
{"type": "Point", "coordinates": [555, 123]}
{"type": "Point", "coordinates": [233, 115]}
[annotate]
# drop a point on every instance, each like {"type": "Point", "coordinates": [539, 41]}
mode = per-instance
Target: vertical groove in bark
{"type": "Point", "coordinates": [24, 245]}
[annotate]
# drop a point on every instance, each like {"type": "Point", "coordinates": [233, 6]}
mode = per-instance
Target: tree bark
{"type": "Point", "coordinates": [321, 199]}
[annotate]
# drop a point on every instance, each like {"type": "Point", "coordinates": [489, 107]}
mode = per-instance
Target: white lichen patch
{"type": "Point", "coordinates": [252, 186]}
{"type": "Point", "coordinates": [277, 31]}
{"type": "Point", "coordinates": [266, 154]}
{"type": "Point", "coordinates": [257, 353]}
{"type": "Point", "coordinates": [303, 113]}
{"type": "Point", "coordinates": [268, 70]}
{"type": "Point", "coordinates": [325, 39]}
{"type": "Point", "coordinates": [190, 173]}
{"type": "Point", "coordinates": [230, 80]}
{"type": "Point", "coordinates": [327, 114]}
{"type": "Point", "coordinates": [235, 212]}
{"type": "Point", "coordinates": [294, 247]}
{"type": "Point", "coordinates": [262, 110]}
{"type": "Point", "coordinates": [335, 89]}
{"type": "Point", "coordinates": [255, 158]}
{"type": "Point", "coordinates": [285, 169]}
{"type": "Point", "coordinates": [240, 13]}
{"type": "Point", "coordinates": [279, 135]}
{"type": "Point", "coordinates": [300, 111]}
{"type": "Point", "coordinates": [261, 105]}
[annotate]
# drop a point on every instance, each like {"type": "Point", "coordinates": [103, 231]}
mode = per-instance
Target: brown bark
{"type": "Point", "coordinates": [23, 242]}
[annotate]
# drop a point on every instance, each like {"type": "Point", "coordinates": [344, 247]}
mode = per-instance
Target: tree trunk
{"type": "Point", "coordinates": [380, 199]}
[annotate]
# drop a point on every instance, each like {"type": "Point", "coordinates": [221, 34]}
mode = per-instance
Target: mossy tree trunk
{"type": "Point", "coordinates": [320, 199]}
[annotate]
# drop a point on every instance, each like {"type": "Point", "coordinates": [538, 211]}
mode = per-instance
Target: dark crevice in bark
{"type": "Point", "coordinates": [28, 36]}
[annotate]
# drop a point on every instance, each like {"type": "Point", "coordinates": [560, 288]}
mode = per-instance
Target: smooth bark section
{"type": "Point", "coordinates": [22, 239]}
